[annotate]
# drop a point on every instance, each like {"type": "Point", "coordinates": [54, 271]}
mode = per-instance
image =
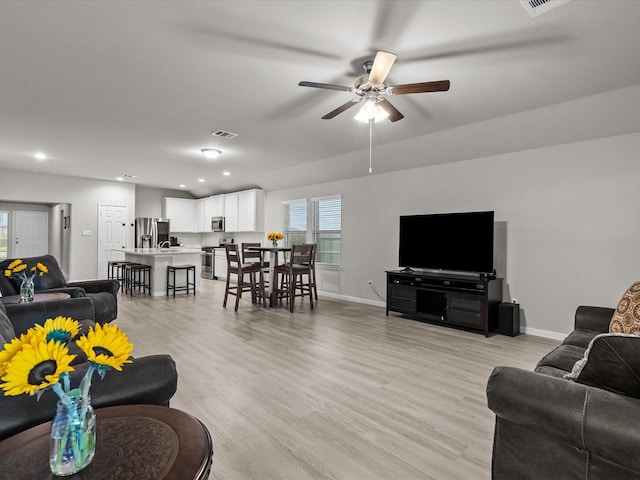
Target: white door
{"type": "Point", "coordinates": [112, 235]}
{"type": "Point", "coordinates": [30, 234]}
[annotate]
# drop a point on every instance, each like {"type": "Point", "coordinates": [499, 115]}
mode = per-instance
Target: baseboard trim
{"type": "Point", "coordinates": [544, 333]}
{"type": "Point", "coordinates": [377, 303]}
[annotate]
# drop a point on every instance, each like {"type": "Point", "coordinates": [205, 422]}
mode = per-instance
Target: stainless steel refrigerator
{"type": "Point", "coordinates": [151, 232]}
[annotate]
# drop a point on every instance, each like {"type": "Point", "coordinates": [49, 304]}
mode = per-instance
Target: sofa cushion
{"type": "Point", "coordinates": [626, 318]}
{"type": "Point", "coordinates": [611, 362]}
{"type": "Point", "coordinates": [6, 328]}
{"type": "Point", "coordinates": [563, 357]}
{"type": "Point", "coordinates": [580, 338]}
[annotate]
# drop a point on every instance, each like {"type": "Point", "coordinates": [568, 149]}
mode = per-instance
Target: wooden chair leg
{"type": "Point", "coordinates": [239, 291]}
{"type": "Point", "coordinates": [262, 290]}
{"type": "Point", "coordinates": [226, 291]}
{"type": "Point", "coordinates": [292, 291]}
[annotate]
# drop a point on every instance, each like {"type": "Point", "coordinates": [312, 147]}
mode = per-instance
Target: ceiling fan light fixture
{"type": "Point", "coordinates": [210, 153]}
{"type": "Point", "coordinates": [371, 110]}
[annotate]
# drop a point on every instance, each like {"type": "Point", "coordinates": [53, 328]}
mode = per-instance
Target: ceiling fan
{"type": "Point", "coordinates": [371, 88]}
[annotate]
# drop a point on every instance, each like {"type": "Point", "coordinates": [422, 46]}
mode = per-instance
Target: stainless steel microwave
{"type": "Point", "coordinates": [217, 224]}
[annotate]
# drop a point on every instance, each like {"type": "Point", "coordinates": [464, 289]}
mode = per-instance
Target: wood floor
{"type": "Point", "coordinates": [340, 392]}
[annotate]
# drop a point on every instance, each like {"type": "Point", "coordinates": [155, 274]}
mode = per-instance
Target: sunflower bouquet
{"type": "Point", "coordinates": [274, 237]}
{"type": "Point", "coordinates": [39, 360]}
{"type": "Point", "coordinates": [19, 269]}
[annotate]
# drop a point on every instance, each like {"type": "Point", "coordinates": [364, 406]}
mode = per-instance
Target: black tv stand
{"type": "Point", "coordinates": [447, 299]}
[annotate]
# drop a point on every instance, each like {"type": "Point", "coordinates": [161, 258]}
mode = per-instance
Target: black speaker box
{"type": "Point", "coordinates": [509, 319]}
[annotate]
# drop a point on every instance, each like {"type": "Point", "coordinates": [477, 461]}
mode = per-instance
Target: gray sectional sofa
{"type": "Point", "coordinates": [566, 421]}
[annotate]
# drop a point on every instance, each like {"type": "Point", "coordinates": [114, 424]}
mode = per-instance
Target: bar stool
{"type": "Point", "coordinates": [111, 268]}
{"type": "Point", "coordinates": [171, 270]}
{"type": "Point", "coordinates": [137, 275]}
{"type": "Point", "coordinates": [115, 269]}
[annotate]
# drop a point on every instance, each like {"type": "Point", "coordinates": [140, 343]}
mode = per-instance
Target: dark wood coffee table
{"type": "Point", "coordinates": [141, 442]}
{"type": "Point", "coordinates": [38, 297]}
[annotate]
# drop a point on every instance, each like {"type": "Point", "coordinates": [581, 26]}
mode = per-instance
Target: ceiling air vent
{"type": "Point", "coordinates": [224, 134]}
{"type": "Point", "coordinates": [538, 7]}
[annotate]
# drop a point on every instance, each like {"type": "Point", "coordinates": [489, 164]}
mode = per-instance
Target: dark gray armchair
{"type": "Point", "coordinates": [102, 294]}
{"type": "Point", "coordinates": [148, 380]}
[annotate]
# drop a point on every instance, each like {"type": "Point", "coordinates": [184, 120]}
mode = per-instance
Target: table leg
{"type": "Point", "coordinates": [273, 262]}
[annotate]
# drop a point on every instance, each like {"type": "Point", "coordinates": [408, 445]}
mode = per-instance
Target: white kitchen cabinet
{"type": "Point", "coordinates": [198, 216]}
{"type": "Point", "coordinates": [220, 263]}
{"type": "Point", "coordinates": [231, 212]}
{"type": "Point", "coordinates": [244, 211]}
{"type": "Point", "coordinates": [213, 207]}
{"type": "Point", "coordinates": [180, 211]}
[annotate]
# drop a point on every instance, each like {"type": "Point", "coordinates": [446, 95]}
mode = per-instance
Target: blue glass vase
{"type": "Point", "coordinates": [72, 442]}
{"type": "Point", "coordinates": [27, 291]}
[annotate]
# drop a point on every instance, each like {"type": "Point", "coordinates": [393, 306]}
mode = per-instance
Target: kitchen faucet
{"type": "Point", "coordinates": [166, 243]}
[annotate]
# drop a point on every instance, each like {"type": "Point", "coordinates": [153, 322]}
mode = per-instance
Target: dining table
{"type": "Point", "coordinates": [271, 270]}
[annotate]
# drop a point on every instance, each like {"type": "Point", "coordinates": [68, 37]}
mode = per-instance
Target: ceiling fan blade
{"type": "Point", "coordinates": [394, 114]}
{"type": "Point", "coordinates": [328, 86]}
{"type": "Point", "coordinates": [422, 87]}
{"type": "Point", "coordinates": [341, 108]}
{"type": "Point", "coordinates": [381, 66]}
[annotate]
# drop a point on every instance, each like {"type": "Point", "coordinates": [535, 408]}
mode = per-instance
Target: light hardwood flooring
{"type": "Point", "coordinates": [340, 392]}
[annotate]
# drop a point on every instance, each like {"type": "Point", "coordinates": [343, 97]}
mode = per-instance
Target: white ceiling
{"type": "Point", "coordinates": [137, 88]}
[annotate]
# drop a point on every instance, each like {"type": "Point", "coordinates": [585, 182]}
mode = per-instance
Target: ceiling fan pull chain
{"type": "Point", "coordinates": [370, 141]}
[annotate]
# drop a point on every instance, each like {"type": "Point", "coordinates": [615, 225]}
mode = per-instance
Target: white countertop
{"type": "Point", "coordinates": [162, 251]}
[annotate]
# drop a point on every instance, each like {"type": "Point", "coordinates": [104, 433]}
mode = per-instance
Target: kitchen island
{"type": "Point", "coordinates": [160, 259]}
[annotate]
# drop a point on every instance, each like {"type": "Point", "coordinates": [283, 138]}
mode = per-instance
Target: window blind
{"type": "Point", "coordinates": [295, 222]}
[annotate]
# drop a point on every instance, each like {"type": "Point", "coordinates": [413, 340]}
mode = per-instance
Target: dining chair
{"type": "Point", "coordinates": [252, 256]}
{"type": "Point", "coordinates": [293, 275]}
{"type": "Point", "coordinates": [241, 270]}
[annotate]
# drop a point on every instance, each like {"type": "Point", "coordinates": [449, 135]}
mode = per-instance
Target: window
{"type": "Point", "coordinates": [4, 223]}
{"type": "Point", "coordinates": [316, 221]}
{"type": "Point", "coordinates": [295, 222]}
{"type": "Point", "coordinates": [327, 229]}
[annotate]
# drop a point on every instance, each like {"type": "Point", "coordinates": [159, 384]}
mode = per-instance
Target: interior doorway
{"type": "Point", "coordinates": [112, 234]}
{"type": "Point", "coordinates": [30, 234]}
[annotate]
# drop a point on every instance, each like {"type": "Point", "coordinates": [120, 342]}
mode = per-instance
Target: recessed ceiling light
{"type": "Point", "coordinates": [119, 179]}
{"type": "Point", "coordinates": [40, 156]}
{"type": "Point", "coordinates": [210, 153]}
{"type": "Point", "coordinates": [226, 174]}
{"type": "Point", "coordinates": [201, 180]}
{"type": "Point", "coordinates": [182, 185]}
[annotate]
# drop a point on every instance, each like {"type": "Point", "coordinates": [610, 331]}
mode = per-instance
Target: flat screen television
{"type": "Point", "coordinates": [455, 242]}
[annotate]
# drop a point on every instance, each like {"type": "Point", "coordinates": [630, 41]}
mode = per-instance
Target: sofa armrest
{"type": "Point", "coordinates": [587, 418]}
{"type": "Point", "coordinates": [542, 403]}
{"type": "Point", "coordinates": [23, 316]}
{"type": "Point", "coordinates": [148, 380]}
{"type": "Point", "coordinates": [593, 318]}
{"type": "Point", "coordinates": [97, 286]}
{"type": "Point", "coordinates": [74, 292]}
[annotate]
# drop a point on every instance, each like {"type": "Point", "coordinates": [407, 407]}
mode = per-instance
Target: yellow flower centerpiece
{"type": "Point", "coordinates": [274, 237]}
{"type": "Point", "coordinates": [40, 360]}
{"type": "Point", "coordinates": [22, 271]}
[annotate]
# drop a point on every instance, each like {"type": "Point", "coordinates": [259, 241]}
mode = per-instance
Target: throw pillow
{"type": "Point", "coordinates": [626, 318]}
{"type": "Point", "coordinates": [611, 362]}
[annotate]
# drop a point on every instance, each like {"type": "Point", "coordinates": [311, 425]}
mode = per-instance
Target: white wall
{"type": "Point", "coordinates": [149, 200]}
{"type": "Point", "coordinates": [571, 212]}
{"type": "Point", "coordinates": [84, 196]}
